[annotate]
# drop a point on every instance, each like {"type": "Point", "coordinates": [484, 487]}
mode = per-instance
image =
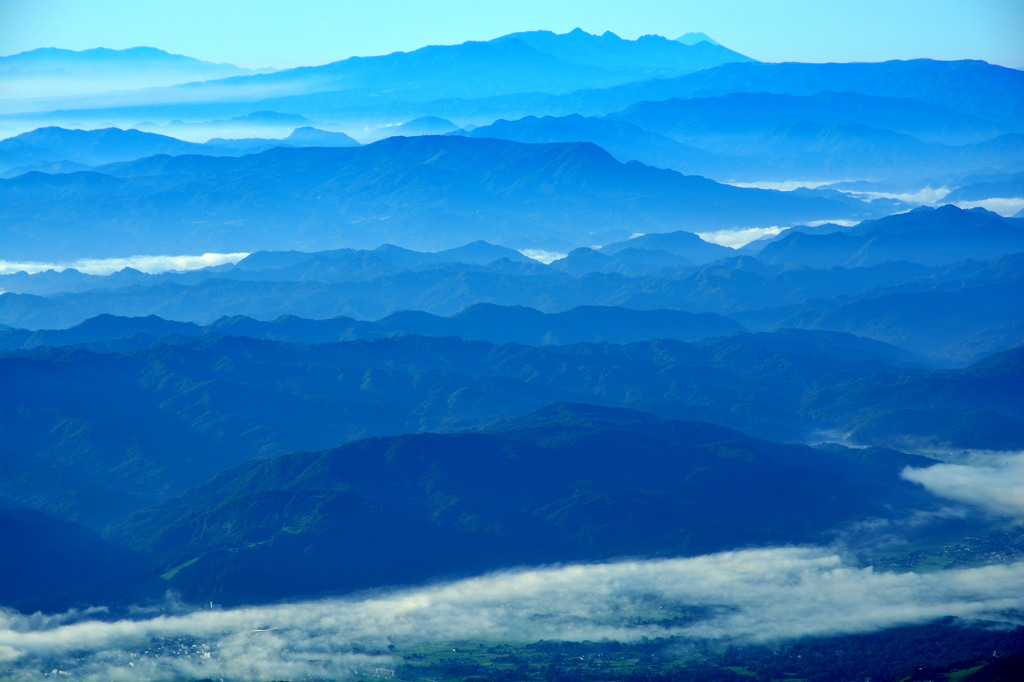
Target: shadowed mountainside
{"type": "Point", "coordinates": [50, 565]}
{"type": "Point", "coordinates": [568, 483]}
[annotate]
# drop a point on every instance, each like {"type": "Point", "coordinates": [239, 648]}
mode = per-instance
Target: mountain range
{"type": "Point", "coordinates": [538, 61]}
{"type": "Point", "coordinates": [929, 237]}
{"type": "Point", "coordinates": [57, 150]}
{"type": "Point", "coordinates": [526, 196]}
{"type": "Point", "coordinates": [882, 279]}
{"type": "Point", "coordinates": [554, 357]}
{"type": "Point", "coordinates": [50, 76]}
{"type": "Point", "coordinates": [481, 322]}
{"type": "Point", "coordinates": [700, 109]}
{"type": "Point", "coordinates": [761, 136]}
{"type": "Point", "coordinates": [241, 389]}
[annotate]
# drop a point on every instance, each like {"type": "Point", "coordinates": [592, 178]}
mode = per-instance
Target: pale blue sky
{"type": "Point", "coordinates": [255, 33]}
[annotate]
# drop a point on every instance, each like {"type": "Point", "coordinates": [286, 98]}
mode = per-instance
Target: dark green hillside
{"type": "Point", "coordinates": [568, 483]}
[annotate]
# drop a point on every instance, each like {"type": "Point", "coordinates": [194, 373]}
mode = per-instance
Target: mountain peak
{"type": "Point", "coordinates": [309, 136]}
{"type": "Point", "coordinates": [694, 38]}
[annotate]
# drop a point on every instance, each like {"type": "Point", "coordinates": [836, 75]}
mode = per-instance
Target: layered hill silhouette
{"type": "Point", "coordinates": [987, 186]}
{"type": "Point", "coordinates": [481, 322]}
{"type": "Point", "coordinates": [742, 115]}
{"type": "Point", "coordinates": [970, 88]}
{"type": "Point", "coordinates": [622, 139]}
{"type": "Point", "coordinates": [686, 244]}
{"type": "Point", "coordinates": [881, 279]}
{"type": "Point", "coordinates": [397, 190]}
{"type": "Point", "coordinates": [755, 295]}
{"type": "Point", "coordinates": [38, 77]}
{"type": "Point", "coordinates": [928, 236]}
{"type": "Point", "coordinates": [538, 61]}
{"type": "Point", "coordinates": [700, 109]}
{"type": "Point", "coordinates": [472, 308]}
{"type": "Point", "coordinates": [924, 84]}
{"type": "Point", "coordinates": [85, 147]}
{"type": "Point", "coordinates": [58, 150]}
{"type": "Point", "coordinates": [989, 92]}
{"type": "Point", "coordinates": [762, 136]}
{"type": "Point", "coordinates": [107, 428]}
{"type": "Point", "coordinates": [819, 121]}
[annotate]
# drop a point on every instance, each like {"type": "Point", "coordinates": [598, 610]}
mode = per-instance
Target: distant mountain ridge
{"type": "Point", "coordinates": [622, 139]}
{"type": "Point", "coordinates": [72, 62]}
{"type": "Point", "coordinates": [56, 73]}
{"type": "Point", "coordinates": [779, 137]}
{"type": "Point", "coordinates": [649, 56]}
{"type": "Point", "coordinates": [875, 280]}
{"type": "Point", "coordinates": [396, 191]}
{"type": "Point", "coordinates": [480, 322]}
{"type": "Point", "coordinates": [929, 236]}
{"type": "Point", "coordinates": [746, 113]}
{"type": "Point", "coordinates": [538, 61]}
{"type": "Point", "coordinates": [970, 87]}
{"type": "Point", "coordinates": [828, 122]}
{"type": "Point", "coordinates": [87, 147]}
{"type": "Point", "coordinates": [976, 89]}
{"type": "Point", "coordinates": [42, 149]}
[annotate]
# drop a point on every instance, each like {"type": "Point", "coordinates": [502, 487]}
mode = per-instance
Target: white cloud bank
{"type": "Point", "coordinates": [542, 256]}
{"type": "Point", "coordinates": [105, 266]}
{"type": "Point", "coordinates": [734, 239]}
{"type": "Point", "coordinates": [1006, 207]}
{"type": "Point", "coordinates": [748, 596]}
{"type": "Point", "coordinates": [785, 185]}
{"type": "Point", "coordinates": [926, 196]}
{"type": "Point", "coordinates": [994, 482]}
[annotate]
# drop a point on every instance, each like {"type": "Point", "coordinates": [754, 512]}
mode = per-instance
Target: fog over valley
{"type": "Point", "coordinates": [760, 596]}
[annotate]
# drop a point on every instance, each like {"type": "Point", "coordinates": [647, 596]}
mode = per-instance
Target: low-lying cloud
{"type": "Point", "coordinates": [105, 266]}
{"type": "Point", "coordinates": [993, 482]}
{"type": "Point", "coordinates": [751, 596]}
{"type": "Point", "coordinates": [926, 196]}
{"type": "Point", "coordinates": [785, 185]}
{"type": "Point", "coordinates": [1006, 207]}
{"type": "Point", "coordinates": [542, 256]}
{"type": "Point", "coordinates": [734, 239]}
